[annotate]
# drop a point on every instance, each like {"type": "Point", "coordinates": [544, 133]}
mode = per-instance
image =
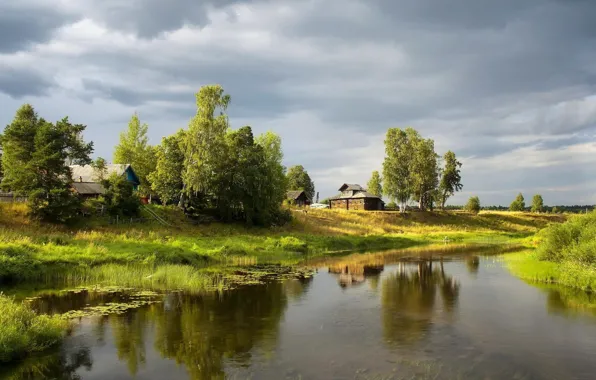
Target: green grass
{"type": "Point", "coordinates": [529, 266]}
{"type": "Point", "coordinates": [23, 332]}
{"type": "Point", "coordinates": [31, 251]}
{"type": "Point", "coordinates": [565, 254]}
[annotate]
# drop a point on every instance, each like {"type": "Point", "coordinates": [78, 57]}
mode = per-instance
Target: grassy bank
{"type": "Point", "coordinates": [565, 254]}
{"type": "Point", "coordinates": [23, 332]}
{"type": "Point", "coordinates": [31, 251]}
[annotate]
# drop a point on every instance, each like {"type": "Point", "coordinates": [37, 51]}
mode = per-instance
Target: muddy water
{"type": "Point", "coordinates": [462, 318]}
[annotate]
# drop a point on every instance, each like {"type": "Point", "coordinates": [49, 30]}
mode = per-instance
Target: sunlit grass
{"type": "Point", "coordinates": [23, 332]}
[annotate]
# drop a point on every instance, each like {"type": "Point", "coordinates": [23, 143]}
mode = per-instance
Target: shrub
{"type": "Point", "coordinates": [574, 240]}
{"type": "Point", "coordinates": [120, 198]}
{"type": "Point", "coordinates": [391, 205]}
{"type": "Point", "coordinates": [22, 331]}
{"type": "Point", "coordinates": [473, 205]}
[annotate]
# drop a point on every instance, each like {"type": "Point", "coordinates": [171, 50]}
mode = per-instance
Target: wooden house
{"type": "Point", "coordinates": [355, 197]}
{"type": "Point", "coordinates": [85, 180]}
{"type": "Point", "coordinates": [298, 198]}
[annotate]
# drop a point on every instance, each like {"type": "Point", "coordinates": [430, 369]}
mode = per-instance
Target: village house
{"type": "Point", "coordinates": [85, 180]}
{"type": "Point", "coordinates": [298, 198]}
{"type": "Point", "coordinates": [355, 197]}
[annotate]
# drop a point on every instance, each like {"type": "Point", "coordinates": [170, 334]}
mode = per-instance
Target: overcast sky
{"type": "Point", "coordinates": [509, 85]}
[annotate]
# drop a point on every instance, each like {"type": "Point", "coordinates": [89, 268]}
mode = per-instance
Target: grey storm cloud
{"type": "Point", "coordinates": [485, 78]}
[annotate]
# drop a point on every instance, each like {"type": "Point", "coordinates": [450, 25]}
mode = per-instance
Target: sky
{"type": "Point", "coordinates": [508, 85]}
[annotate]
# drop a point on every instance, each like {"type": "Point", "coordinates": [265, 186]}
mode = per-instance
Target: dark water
{"type": "Point", "coordinates": [466, 318]}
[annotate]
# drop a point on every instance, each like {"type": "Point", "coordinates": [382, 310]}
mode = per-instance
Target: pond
{"type": "Point", "coordinates": [380, 316]}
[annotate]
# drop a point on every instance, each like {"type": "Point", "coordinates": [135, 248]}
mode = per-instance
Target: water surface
{"type": "Point", "coordinates": [464, 317]}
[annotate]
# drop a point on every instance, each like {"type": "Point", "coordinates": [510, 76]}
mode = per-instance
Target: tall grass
{"type": "Point", "coordinates": [23, 332]}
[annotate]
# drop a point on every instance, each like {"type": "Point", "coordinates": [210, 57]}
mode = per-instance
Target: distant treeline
{"type": "Point", "coordinates": [576, 209]}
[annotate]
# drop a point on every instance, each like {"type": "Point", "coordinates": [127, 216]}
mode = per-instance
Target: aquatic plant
{"type": "Point", "coordinates": [23, 332]}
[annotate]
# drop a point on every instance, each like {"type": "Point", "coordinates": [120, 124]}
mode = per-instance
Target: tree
{"type": "Point", "coordinates": [374, 185]}
{"type": "Point", "coordinates": [518, 204]}
{"type": "Point", "coordinates": [537, 203]}
{"type": "Point", "coordinates": [298, 179]}
{"type": "Point", "coordinates": [450, 178]}
{"type": "Point", "coordinates": [473, 205]}
{"type": "Point", "coordinates": [100, 169]}
{"type": "Point", "coordinates": [275, 172]}
{"type": "Point", "coordinates": [397, 166]}
{"type": "Point", "coordinates": [205, 142]}
{"type": "Point", "coordinates": [165, 180]}
{"type": "Point", "coordinates": [555, 210]}
{"type": "Point", "coordinates": [36, 157]}
{"type": "Point", "coordinates": [18, 145]}
{"type": "Point", "coordinates": [135, 150]}
{"type": "Point", "coordinates": [424, 170]}
{"type": "Point", "coordinates": [119, 197]}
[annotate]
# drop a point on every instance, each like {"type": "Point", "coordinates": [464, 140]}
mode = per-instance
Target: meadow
{"type": "Point", "coordinates": [32, 251]}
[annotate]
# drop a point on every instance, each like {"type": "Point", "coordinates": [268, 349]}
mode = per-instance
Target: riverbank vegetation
{"type": "Point", "coordinates": [23, 332]}
{"type": "Point", "coordinates": [565, 254]}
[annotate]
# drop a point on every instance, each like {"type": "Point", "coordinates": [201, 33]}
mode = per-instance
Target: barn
{"type": "Point", "coordinates": [298, 198]}
{"type": "Point", "coordinates": [355, 197]}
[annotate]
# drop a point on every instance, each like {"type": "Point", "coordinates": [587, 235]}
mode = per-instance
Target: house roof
{"type": "Point", "coordinates": [88, 188]}
{"type": "Point", "coordinates": [355, 195]}
{"type": "Point", "coordinates": [294, 194]}
{"type": "Point", "coordinates": [351, 186]}
{"type": "Point", "coordinates": [87, 172]}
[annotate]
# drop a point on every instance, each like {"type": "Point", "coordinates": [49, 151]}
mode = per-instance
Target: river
{"type": "Point", "coordinates": [464, 317]}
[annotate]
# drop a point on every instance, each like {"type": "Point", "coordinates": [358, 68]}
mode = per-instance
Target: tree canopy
{"type": "Point", "coordinates": [134, 149]}
{"type": "Point", "coordinates": [375, 186]}
{"type": "Point", "coordinates": [450, 178]}
{"type": "Point", "coordinates": [35, 160]}
{"type": "Point", "coordinates": [537, 203]}
{"type": "Point", "coordinates": [518, 204]}
{"type": "Point", "coordinates": [298, 179]}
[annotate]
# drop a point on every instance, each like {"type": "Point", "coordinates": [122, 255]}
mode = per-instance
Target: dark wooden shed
{"type": "Point", "coordinates": [298, 198]}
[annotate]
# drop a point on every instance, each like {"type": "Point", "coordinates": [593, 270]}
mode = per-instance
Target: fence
{"type": "Point", "coordinates": [11, 198]}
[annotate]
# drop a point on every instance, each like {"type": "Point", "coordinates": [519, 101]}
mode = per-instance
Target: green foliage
{"type": "Point", "coordinates": [473, 205]}
{"type": "Point", "coordinates": [298, 179]}
{"type": "Point", "coordinates": [537, 203]}
{"type": "Point", "coordinates": [166, 181]}
{"type": "Point", "coordinates": [36, 158]}
{"type": "Point", "coordinates": [399, 153]}
{"type": "Point", "coordinates": [518, 204]}
{"type": "Point", "coordinates": [391, 205]}
{"type": "Point", "coordinates": [134, 149]}
{"type": "Point", "coordinates": [450, 178]}
{"type": "Point", "coordinates": [23, 332]}
{"type": "Point", "coordinates": [100, 169]}
{"type": "Point", "coordinates": [573, 241]}
{"type": "Point", "coordinates": [120, 198]}
{"type": "Point", "coordinates": [555, 210]}
{"type": "Point", "coordinates": [374, 185]}
{"type": "Point", "coordinates": [205, 142]}
{"type": "Point", "coordinates": [326, 201]}
{"type": "Point", "coordinates": [410, 169]}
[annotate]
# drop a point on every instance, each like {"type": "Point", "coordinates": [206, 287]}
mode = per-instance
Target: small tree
{"type": "Point", "coordinates": [375, 186]}
{"type": "Point", "coordinates": [473, 205]}
{"type": "Point", "coordinates": [518, 204]}
{"type": "Point", "coordinates": [555, 210]}
{"type": "Point", "coordinates": [100, 169]}
{"type": "Point", "coordinates": [537, 203]}
{"type": "Point", "coordinates": [298, 179]}
{"type": "Point", "coordinates": [119, 197]}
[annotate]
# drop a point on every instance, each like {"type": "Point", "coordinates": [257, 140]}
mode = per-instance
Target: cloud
{"type": "Point", "coordinates": [509, 85]}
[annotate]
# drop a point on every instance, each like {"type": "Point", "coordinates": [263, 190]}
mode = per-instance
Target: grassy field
{"type": "Point", "coordinates": [31, 251]}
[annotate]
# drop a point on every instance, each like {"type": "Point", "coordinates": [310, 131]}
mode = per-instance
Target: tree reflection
{"type": "Point", "coordinates": [355, 273]}
{"type": "Point", "coordinates": [205, 332]}
{"type": "Point", "coordinates": [409, 297]}
{"type": "Point", "coordinates": [472, 262]}
{"type": "Point", "coordinates": [58, 365]}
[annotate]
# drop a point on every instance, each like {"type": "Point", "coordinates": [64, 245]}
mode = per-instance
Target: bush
{"type": "Point", "coordinates": [120, 198]}
{"type": "Point", "coordinates": [22, 331]}
{"type": "Point", "coordinates": [391, 205]}
{"type": "Point", "coordinates": [473, 205]}
{"type": "Point", "coordinates": [574, 240]}
{"type": "Point", "coordinates": [55, 206]}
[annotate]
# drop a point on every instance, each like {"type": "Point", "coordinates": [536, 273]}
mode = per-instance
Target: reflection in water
{"type": "Point", "coordinates": [409, 298]}
{"type": "Point", "coordinates": [472, 263]}
{"type": "Point", "coordinates": [58, 365]}
{"type": "Point", "coordinates": [569, 301]}
{"type": "Point", "coordinates": [355, 273]}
